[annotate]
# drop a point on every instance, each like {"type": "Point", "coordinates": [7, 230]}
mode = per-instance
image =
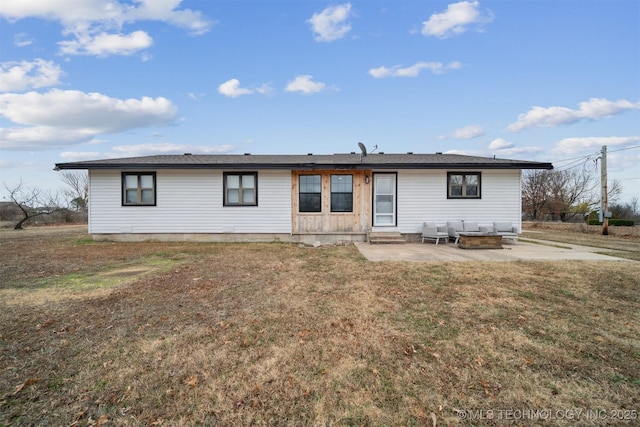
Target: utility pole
{"type": "Point", "coordinates": [604, 205]}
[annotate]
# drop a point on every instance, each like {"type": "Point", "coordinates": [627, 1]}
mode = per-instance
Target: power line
{"type": "Point", "coordinates": [626, 148]}
{"type": "Point", "coordinates": [578, 160]}
{"type": "Point", "coordinates": [597, 153]}
{"type": "Point", "coordinates": [582, 161]}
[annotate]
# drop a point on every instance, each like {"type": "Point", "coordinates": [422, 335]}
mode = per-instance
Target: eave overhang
{"type": "Point", "coordinates": [321, 162]}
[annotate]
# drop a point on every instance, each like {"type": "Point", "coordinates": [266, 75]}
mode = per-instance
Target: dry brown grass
{"type": "Point", "coordinates": [622, 246]}
{"type": "Point", "coordinates": [274, 334]}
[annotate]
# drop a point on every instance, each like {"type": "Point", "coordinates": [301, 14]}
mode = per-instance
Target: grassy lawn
{"type": "Point", "coordinates": [99, 333]}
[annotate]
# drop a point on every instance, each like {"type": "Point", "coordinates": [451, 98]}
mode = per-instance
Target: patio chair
{"type": "Point", "coordinates": [431, 231]}
{"type": "Point", "coordinates": [454, 228]}
{"type": "Point", "coordinates": [506, 230]}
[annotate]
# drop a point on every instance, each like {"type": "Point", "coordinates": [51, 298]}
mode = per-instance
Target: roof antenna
{"type": "Point", "coordinates": [363, 150]}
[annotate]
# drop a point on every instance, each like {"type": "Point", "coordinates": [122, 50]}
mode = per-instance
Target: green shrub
{"type": "Point", "coordinates": [614, 222]}
{"type": "Point", "coordinates": [621, 222]}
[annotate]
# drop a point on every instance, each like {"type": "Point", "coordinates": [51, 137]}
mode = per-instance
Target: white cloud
{"type": "Point", "coordinates": [113, 13]}
{"type": "Point", "coordinates": [41, 137]}
{"type": "Point", "coordinates": [500, 144]}
{"type": "Point", "coordinates": [232, 89]}
{"type": "Point", "coordinates": [151, 149]}
{"type": "Point", "coordinates": [507, 153]}
{"type": "Point", "coordinates": [455, 20]}
{"type": "Point", "coordinates": [76, 156]}
{"type": "Point", "coordinates": [467, 132]}
{"type": "Point", "coordinates": [104, 44]}
{"type": "Point", "coordinates": [167, 11]}
{"type": "Point", "coordinates": [92, 111]}
{"type": "Point", "coordinates": [17, 164]}
{"type": "Point", "coordinates": [195, 96]}
{"type": "Point", "coordinates": [594, 109]}
{"type": "Point", "coordinates": [305, 84]}
{"type": "Point", "coordinates": [24, 75]}
{"type": "Point", "coordinates": [167, 148]}
{"type": "Point", "coordinates": [629, 161]}
{"type": "Point", "coordinates": [571, 146]}
{"type": "Point", "coordinates": [413, 70]}
{"type": "Point", "coordinates": [330, 24]}
{"type": "Point", "coordinates": [59, 118]}
{"type": "Point", "coordinates": [96, 24]}
{"type": "Point", "coordinates": [264, 89]}
{"type": "Point", "coordinates": [526, 152]}
{"type": "Point", "coordinates": [22, 40]}
{"type": "Point", "coordinates": [503, 148]}
{"type": "Point", "coordinates": [67, 12]}
{"type": "Point", "coordinates": [465, 152]}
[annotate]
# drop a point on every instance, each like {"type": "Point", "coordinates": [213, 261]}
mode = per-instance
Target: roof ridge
{"type": "Point", "coordinates": [308, 161]}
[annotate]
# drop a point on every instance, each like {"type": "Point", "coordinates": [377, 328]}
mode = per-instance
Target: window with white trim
{"type": "Point", "coordinates": [240, 188]}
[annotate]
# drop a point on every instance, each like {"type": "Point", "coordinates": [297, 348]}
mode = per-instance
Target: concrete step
{"type": "Point", "coordinates": [386, 238]}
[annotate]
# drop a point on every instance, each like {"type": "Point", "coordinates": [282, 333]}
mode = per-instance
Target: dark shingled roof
{"type": "Point", "coordinates": [309, 161]}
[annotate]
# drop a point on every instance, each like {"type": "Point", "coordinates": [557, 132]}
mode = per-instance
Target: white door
{"type": "Point", "coordinates": [384, 200]}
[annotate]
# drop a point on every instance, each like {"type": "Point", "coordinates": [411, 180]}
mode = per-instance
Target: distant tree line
{"type": "Point", "coordinates": [569, 195]}
{"type": "Point", "coordinates": [629, 210]}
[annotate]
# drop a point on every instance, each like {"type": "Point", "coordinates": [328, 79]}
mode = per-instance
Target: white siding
{"type": "Point", "coordinates": [190, 201]}
{"type": "Point", "coordinates": [422, 196]}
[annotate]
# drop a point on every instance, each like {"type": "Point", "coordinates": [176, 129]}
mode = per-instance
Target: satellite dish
{"type": "Point", "coordinates": [363, 149]}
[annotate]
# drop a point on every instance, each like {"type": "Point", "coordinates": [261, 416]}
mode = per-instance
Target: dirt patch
{"type": "Point", "coordinates": [46, 253]}
{"type": "Point", "coordinates": [73, 286]}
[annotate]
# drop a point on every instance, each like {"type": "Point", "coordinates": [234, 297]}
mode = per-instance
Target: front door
{"type": "Point", "coordinates": [384, 200]}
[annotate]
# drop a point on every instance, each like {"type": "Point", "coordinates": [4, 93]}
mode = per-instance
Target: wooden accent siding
{"type": "Point", "coordinates": [357, 221]}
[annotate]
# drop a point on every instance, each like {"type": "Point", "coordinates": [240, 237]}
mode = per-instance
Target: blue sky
{"type": "Point", "coordinates": [533, 80]}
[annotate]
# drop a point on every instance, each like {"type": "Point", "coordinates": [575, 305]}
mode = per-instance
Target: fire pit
{"type": "Point", "coordinates": [479, 241]}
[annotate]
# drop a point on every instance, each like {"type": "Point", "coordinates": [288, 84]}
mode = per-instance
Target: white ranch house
{"type": "Point", "coordinates": [296, 198]}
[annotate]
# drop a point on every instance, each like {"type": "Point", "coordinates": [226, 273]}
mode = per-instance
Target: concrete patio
{"type": "Point", "coordinates": [529, 250]}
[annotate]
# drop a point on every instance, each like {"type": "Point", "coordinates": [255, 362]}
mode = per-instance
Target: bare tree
{"type": "Point", "coordinates": [627, 210]}
{"type": "Point", "coordinates": [558, 194]}
{"type": "Point", "coordinates": [614, 190]}
{"type": "Point", "coordinates": [77, 189]}
{"type": "Point", "coordinates": [572, 193]}
{"type": "Point", "coordinates": [534, 194]}
{"type": "Point", "coordinates": [33, 202]}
